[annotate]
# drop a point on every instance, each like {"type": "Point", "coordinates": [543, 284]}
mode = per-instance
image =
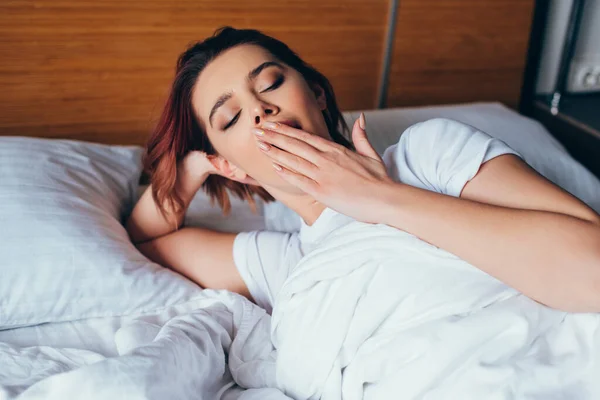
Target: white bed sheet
{"type": "Point", "coordinates": [96, 338]}
{"type": "Point", "coordinates": [179, 352]}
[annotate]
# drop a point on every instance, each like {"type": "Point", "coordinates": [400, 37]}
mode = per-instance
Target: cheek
{"type": "Point", "coordinates": [305, 105]}
{"type": "Point", "coordinates": [239, 147]}
{"type": "Point", "coordinates": [234, 146]}
{"type": "Point", "coordinates": [300, 98]}
{"type": "Point", "coordinates": [243, 151]}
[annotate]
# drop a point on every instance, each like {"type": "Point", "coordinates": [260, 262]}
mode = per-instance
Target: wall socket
{"type": "Point", "coordinates": [584, 77]}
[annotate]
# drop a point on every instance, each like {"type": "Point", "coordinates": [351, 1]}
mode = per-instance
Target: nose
{"type": "Point", "coordinates": [262, 111]}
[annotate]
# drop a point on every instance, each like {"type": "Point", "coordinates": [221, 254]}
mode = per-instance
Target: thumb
{"type": "Point", "coordinates": [359, 138]}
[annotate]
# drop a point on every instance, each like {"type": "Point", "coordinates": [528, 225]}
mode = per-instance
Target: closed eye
{"type": "Point", "coordinates": [275, 84]}
{"type": "Point", "coordinates": [237, 116]}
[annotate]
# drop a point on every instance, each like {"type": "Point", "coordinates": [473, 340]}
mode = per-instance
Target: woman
{"type": "Point", "coordinates": [246, 114]}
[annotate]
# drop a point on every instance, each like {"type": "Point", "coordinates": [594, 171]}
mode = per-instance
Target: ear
{"type": "Point", "coordinates": [228, 169]}
{"type": "Point", "coordinates": [320, 95]}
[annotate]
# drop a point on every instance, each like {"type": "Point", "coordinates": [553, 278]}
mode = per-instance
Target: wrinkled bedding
{"type": "Point", "coordinates": [181, 352]}
{"type": "Point", "coordinates": [415, 322]}
{"type": "Point", "coordinates": [339, 330]}
{"type": "Point", "coordinates": [376, 313]}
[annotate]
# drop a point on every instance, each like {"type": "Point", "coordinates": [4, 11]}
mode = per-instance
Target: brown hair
{"type": "Point", "coordinates": [178, 131]}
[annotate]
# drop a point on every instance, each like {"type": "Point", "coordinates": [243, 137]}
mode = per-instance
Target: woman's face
{"type": "Point", "coordinates": [244, 87]}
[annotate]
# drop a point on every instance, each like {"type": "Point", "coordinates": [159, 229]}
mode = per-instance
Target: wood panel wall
{"type": "Point", "coordinates": [99, 70]}
{"type": "Point", "coordinates": [459, 51]}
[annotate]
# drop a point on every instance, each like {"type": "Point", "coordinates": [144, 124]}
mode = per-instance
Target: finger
{"type": "Point", "coordinates": [289, 144]}
{"type": "Point", "coordinates": [288, 160]}
{"type": "Point", "coordinates": [360, 140]}
{"type": "Point", "coordinates": [302, 182]}
{"type": "Point", "coordinates": [314, 140]}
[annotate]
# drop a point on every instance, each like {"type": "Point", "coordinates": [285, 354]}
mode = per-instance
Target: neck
{"type": "Point", "coordinates": [302, 204]}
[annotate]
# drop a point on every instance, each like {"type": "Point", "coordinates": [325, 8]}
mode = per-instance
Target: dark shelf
{"type": "Point", "coordinates": [577, 125]}
{"type": "Point", "coordinates": [583, 109]}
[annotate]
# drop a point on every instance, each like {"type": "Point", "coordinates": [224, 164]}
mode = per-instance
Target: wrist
{"type": "Point", "coordinates": [387, 205]}
{"type": "Point", "coordinates": [188, 182]}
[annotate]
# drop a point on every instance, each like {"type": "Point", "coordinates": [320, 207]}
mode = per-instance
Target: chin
{"type": "Point", "coordinates": [276, 185]}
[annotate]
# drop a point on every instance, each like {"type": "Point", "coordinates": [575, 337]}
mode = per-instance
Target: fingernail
{"type": "Point", "coordinates": [361, 121]}
{"type": "Point", "coordinates": [258, 132]}
{"type": "Point", "coordinates": [277, 167]}
{"type": "Point", "coordinates": [263, 146]}
{"type": "Point", "coordinates": [271, 125]}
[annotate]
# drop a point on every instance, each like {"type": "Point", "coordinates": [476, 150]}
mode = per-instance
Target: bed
{"type": "Point", "coordinates": [82, 313]}
{"type": "Point", "coordinates": [71, 334]}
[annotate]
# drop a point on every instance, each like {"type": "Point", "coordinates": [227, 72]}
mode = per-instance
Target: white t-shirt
{"type": "Point", "coordinates": [439, 155]}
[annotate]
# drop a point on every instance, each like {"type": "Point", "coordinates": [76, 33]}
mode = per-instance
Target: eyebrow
{"type": "Point", "coordinates": [251, 75]}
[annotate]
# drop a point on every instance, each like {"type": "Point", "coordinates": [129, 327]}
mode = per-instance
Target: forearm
{"type": "Point", "coordinates": [146, 221]}
{"type": "Point", "coordinates": [550, 257]}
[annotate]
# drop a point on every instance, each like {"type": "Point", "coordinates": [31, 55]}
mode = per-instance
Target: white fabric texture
{"type": "Point", "coordinates": [264, 259]}
{"type": "Point", "coordinates": [376, 313]}
{"type": "Point", "coordinates": [65, 254]}
{"type": "Point", "coordinates": [440, 155]}
{"type": "Point", "coordinates": [413, 321]}
{"type": "Point", "coordinates": [443, 329]}
{"type": "Point", "coordinates": [187, 351]}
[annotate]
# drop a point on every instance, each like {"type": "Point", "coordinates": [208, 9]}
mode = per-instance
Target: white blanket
{"type": "Point", "coordinates": [179, 353]}
{"type": "Point", "coordinates": [376, 313]}
{"type": "Point", "coordinates": [372, 313]}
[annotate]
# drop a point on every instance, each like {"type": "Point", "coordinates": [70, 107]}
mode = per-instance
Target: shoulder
{"type": "Point", "coordinates": [432, 153]}
{"type": "Point", "coordinates": [263, 260]}
{"type": "Point", "coordinates": [433, 136]}
{"type": "Point", "coordinates": [436, 130]}
{"type": "Point", "coordinates": [426, 136]}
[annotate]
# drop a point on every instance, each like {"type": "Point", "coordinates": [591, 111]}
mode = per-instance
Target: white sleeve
{"type": "Point", "coordinates": [264, 260]}
{"type": "Point", "coordinates": [441, 155]}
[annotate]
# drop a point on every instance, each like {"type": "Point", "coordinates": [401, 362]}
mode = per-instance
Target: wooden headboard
{"type": "Point", "coordinates": [100, 70]}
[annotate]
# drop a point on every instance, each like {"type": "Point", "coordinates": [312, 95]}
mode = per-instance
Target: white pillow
{"type": "Point", "coordinates": [64, 253]}
{"type": "Point", "coordinates": [538, 147]}
{"type": "Point", "coordinates": [527, 136]}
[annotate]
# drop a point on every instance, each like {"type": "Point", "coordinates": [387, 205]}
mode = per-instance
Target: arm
{"type": "Point", "coordinates": [513, 224]}
{"type": "Point", "coordinates": [509, 221]}
{"type": "Point", "coordinates": [201, 255]}
{"type": "Point", "coordinates": [146, 222]}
